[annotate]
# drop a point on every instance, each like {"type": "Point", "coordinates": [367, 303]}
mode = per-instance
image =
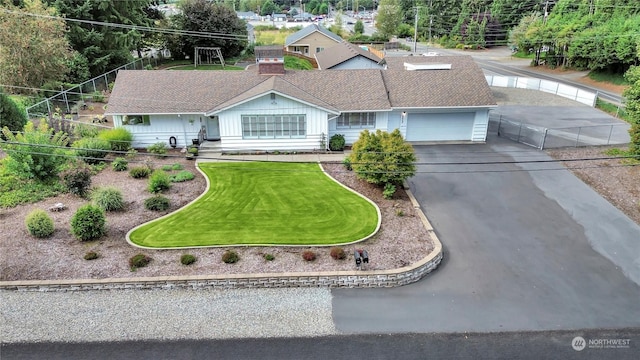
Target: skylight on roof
{"type": "Point", "coordinates": [414, 67]}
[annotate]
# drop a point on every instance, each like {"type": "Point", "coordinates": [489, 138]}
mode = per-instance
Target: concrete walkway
{"type": "Point", "coordinates": [300, 157]}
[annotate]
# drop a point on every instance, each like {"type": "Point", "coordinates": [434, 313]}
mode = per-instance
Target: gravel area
{"type": "Point", "coordinates": [401, 240]}
{"type": "Point", "coordinates": [120, 315]}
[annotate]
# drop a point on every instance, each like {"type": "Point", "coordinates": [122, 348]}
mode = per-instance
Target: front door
{"type": "Point", "coordinates": [213, 128]}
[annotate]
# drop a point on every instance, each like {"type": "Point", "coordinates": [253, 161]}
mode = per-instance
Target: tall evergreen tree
{"type": "Point", "coordinates": [105, 47]}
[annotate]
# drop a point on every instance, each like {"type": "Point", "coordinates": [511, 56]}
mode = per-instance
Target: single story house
{"type": "Point", "coordinates": [269, 108]}
{"type": "Point", "coordinates": [311, 40]}
{"type": "Point", "coordinates": [346, 55]}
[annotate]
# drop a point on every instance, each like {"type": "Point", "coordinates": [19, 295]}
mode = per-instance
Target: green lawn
{"type": "Point", "coordinates": [264, 204]}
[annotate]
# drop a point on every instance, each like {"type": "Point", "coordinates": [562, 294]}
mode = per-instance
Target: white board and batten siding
{"type": "Point", "coordinates": [162, 127]}
{"type": "Point", "coordinates": [358, 62]}
{"type": "Point", "coordinates": [231, 138]}
{"type": "Point", "coordinates": [352, 134]}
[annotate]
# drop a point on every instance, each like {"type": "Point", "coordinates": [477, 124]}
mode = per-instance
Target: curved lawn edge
{"type": "Point", "coordinates": [206, 190]}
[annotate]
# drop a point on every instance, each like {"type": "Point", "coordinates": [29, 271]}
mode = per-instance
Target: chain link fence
{"type": "Point", "coordinates": [545, 138]}
{"type": "Point", "coordinates": [69, 101]}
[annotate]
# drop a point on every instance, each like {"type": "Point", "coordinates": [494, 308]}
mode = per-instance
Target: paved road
{"type": "Point", "coordinates": [534, 251]}
{"type": "Point", "coordinates": [522, 345]}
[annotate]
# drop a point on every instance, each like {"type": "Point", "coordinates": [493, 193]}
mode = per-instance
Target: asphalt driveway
{"type": "Point", "coordinates": [524, 250]}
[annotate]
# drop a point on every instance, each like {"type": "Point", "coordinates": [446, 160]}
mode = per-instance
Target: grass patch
{"type": "Point", "coordinates": [273, 36]}
{"type": "Point", "coordinates": [524, 55]}
{"type": "Point", "coordinates": [264, 204]}
{"type": "Point", "coordinates": [608, 77]}
{"type": "Point", "coordinates": [613, 109]}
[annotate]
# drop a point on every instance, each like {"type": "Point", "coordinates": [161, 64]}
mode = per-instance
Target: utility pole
{"type": "Point", "coordinates": [415, 32]}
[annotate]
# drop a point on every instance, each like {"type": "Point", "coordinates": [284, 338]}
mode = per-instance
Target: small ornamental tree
{"type": "Point", "coordinates": [382, 158]}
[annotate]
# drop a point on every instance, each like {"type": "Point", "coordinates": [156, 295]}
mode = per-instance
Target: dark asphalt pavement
{"type": "Point", "coordinates": [518, 256]}
{"type": "Point", "coordinates": [621, 345]}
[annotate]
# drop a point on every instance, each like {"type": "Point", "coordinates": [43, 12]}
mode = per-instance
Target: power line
{"type": "Point", "coordinates": [137, 27]}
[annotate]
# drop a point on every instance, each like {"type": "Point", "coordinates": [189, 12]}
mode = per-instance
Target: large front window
{"type": "Point", "coordinates": [356, 121]}
{"type": "Point", "coordinates": [273, 126]}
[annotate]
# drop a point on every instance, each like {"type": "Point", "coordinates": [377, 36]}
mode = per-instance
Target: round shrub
{"type": "Point", "coordinates": [337, 253]}
{"type": "Point", "coordinates": [139, 172]}
{"type": "Point", "coordinates": [158, 182]}
{"type": "Point", "coordinates": [187, 259]}
{"type": "Point", "coordinates": [336, 142]}
{"type": "Point", "coordinates": [139, 261]}
{"type": "Point", "coordinates": [230, 257]}
{"type": "Point", "coordinates": [108, 198]}
{"type": "Point", "coordinates": [346, 162]}
{"type": "Point", "coordinates": [91, 255]}
{"type": "Point", "coordinates": [119, 164]}
{"type": "Point", "coordinates": [77, 179]}
{"type": "Point", "coordinates": [88, 223]}
{"type": "Point", "coordinates": [39, 224]}
{"type": "Point", "coordinates": [92, 150]}
{"type": "Point", "coordinates": [389, 190]}
{"type": "Point", "coordinates": [269, 257]}
{"type": "Point", "coordinates": [308, 255]}
{"type": "Point", "coordinates": [157, 203]}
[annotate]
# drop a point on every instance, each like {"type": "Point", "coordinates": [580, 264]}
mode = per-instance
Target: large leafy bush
{"type": "Point", "coordinates": [382, 157]}
{"type": "Point", "coordinates": [92, 150]}
{"type": "Point", "coordinates": [36, 153]}
{"type": "Point", "coordinates": [120, 139]}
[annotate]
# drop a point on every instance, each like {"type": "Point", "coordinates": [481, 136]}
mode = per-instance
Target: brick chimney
{"type": "Point", "coordinates": [270, 60]}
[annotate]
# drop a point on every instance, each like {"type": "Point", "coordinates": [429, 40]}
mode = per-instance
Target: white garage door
{"type": "Point", "coordinates": [440, 127]}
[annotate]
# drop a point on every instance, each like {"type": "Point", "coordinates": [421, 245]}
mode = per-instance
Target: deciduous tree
{"type": "Point", "coordinates": [33, 48]}
{"type": "Point", "coordinates": [389, 17]}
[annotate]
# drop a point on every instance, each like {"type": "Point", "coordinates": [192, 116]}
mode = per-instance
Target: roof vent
{"type": "Point", "coordinates": [414, 67]}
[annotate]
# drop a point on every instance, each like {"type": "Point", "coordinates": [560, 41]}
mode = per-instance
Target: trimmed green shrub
{"type": "Point", "coordinates": [158, 182]}
{"type": "Point", "coordinates": [119, 164]}
{"type": "Point", "coordinates": [108, 198]}
{"type": "Point", "coordinates": [337, 253]}
{"type": "Point", "coordinates": [389, 190]}
{"type": "Point", "coordinates": [182, 176]}
{"type": "Point", "coordinates": [158, 148]}
{"type": "Point", "coordinates": [269, 257]}
{"type": "Point", "coordinates": [77, 179]}
{"type": "Point", "coordinates": [88, 223]}
{"type": "Point", "coordinates": [139, 172]}
{"type": "Point", "coordinates": [39, 224]}
{"type": "Point", "coordinates": [139, 261]}
{"type": "Point", "coordinates": [230, 257]}
{"type": "Point", "coordinates": [91, 255]}
{"type": "Point", "coordinates": [336, 142]}
{"type": "Point", "coordinates": [346, 162]}
{"type": "Point", "coordinates": [119, 138]}
{"type": "Point", "coordinates": [308, 255]}
{"type": "Point", "coordinates": [187, 259]}
{"type": "Point", "coordinates": [157, 203]}
{"type": "Point", "coordinates": [92, 150]}
{"type": "Point", "coordinates": [383, 157]}
{"type": "Point", "coordinates": [193, 150]}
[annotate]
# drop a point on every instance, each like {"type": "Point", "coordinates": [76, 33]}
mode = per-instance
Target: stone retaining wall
{"type": "Point", "coordinates": [337, 279]}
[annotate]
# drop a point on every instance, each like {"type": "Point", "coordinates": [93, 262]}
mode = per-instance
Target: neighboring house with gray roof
{"type": "Point", "coordinates": [261, 109]}
{"type": "Point", "coordinates": [311, 40]}
{"type": "Point", "coordinates": [346, 55]}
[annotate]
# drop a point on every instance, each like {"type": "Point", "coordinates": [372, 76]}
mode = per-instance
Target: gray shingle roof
{"type": "Point", "coordinates": [342, 52]}
{"type": "Point", "coordinates": [295, 37]}
{"type": "Point", "coordinates": [172, 92]}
